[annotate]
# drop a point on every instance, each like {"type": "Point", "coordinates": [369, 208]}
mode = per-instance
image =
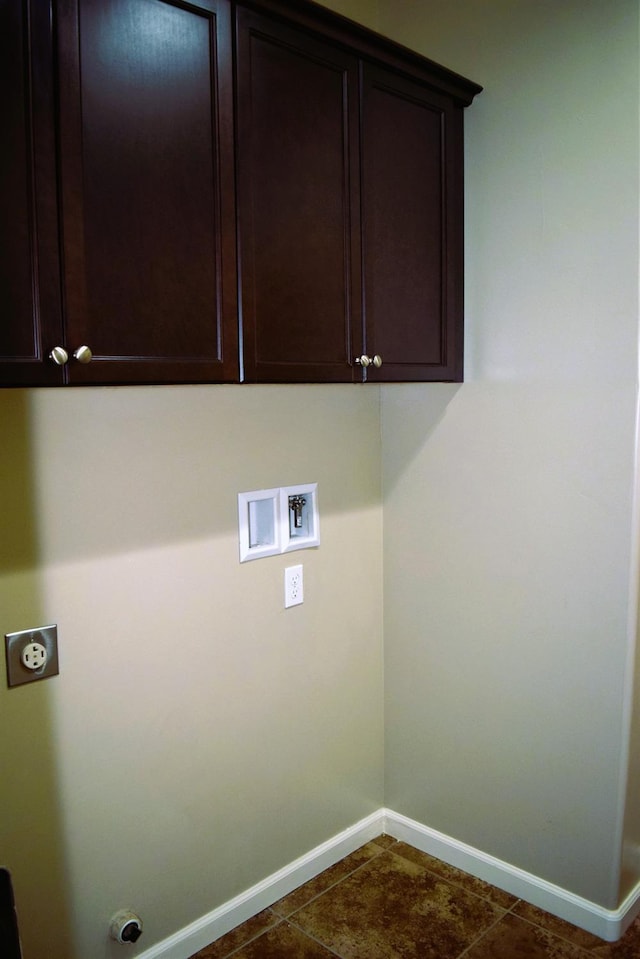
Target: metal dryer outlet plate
{"type": "Point", "coordinates": [42, 641]}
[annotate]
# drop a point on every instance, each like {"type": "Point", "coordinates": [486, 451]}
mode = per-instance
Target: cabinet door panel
{"type": "Point", "coordinates": [30, 306]}
{"type": "Point", "coordinates": [412, 229]}
{"type": "Point", "coordinates": [148, 189]}
{"type": "Point", "coordinates": [298, 196]}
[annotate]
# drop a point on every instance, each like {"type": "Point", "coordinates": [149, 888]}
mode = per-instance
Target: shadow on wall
{"type": "Point", "coordinates": [31, 832]}
{"type": "Point", "coordinates": [426, 407]}
{"type": "Point", "coordinates": [131, 468]}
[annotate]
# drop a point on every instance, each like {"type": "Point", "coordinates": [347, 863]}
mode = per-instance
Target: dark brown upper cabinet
{"type": "Point", "coordinates": [145, 269]}
{"type": "Point", "coordinates": [412, 220]}
{"type": "Point", "coordinates": [350, 186]}
{"type": "Point", "coordinates": [146, 172]}
{"type": "Point", "coordinates": [30, 295]}
{"type": "Point", "coordinates": [213, 191]}
{"type": "Point", "coordinates": [298, 203]}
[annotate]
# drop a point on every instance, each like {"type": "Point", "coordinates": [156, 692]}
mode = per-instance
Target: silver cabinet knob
{"type": "Point", "coordinates": [83, 354]}
{"type": "Point", "coordinates": [59, 355]}
{"type": "Point", "coordinates": [366, 361]}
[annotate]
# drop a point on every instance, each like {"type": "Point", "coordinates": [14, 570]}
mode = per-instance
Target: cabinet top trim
{"type": "Point", "coordinates": [368, 44]}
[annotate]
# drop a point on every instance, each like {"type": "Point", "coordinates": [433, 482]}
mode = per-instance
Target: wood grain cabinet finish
{"type": "Point", "coordinates": [412, 226]}
{"type": "Point", "coordinates": [147, 189]}
{"type": "Point", "coordinates": [30, 294]}
{"type": "Point", "coordinates": [219, 191]}
{"type": "Point", "coordinates": [298, 205]}
{"type": "Point", "coordinates": [350, 188]}
{"type": "Point", "coordinates": [134, 256]}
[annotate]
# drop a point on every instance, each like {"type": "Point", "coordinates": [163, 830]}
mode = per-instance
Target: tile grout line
{"type": "Point", "coordinates": [479, 938]}
{"type": "Point", "coordinates": [580, 953]}
{"type": "Point", "coordinates": [455, 885]}
{"type": "Point", "coordinates": [580, 950]}
{"type": "Point", "coordinates": [507, 912]}
{"type": "Point", "coordinates": [484, 932]}
{"type": "Point", "coordinates": [287, 918]}
{"type": "Point", "coordinates": [333, 884]}
{"type": "Point", "coordinates": [247, 942]}
{"type": "Point", "coordinates": [282, 922]}
{"type": "Point", "coordinates": [463, 888]}
{"type": "Point", "coordinates": [308, 935]}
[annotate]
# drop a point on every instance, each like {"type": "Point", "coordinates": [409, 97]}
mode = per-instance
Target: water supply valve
{"type": "Point", "coordinates": [125, 926]}
{"type": "Point", "coordinates": [296, 504]}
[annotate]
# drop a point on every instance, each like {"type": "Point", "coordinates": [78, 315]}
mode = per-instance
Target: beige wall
{"type": "Point", "coordinates": [199, 736]}
{"type": "Point", "coordinates": [508, 500]}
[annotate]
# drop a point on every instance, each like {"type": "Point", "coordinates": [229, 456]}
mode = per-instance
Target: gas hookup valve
{"type": "Point", "coordinates": [125, 926]}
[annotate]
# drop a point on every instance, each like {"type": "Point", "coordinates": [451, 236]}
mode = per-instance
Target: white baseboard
{"type": "Point", "coordinates": [230, 914]}
{"type": "Point", "coordinates": [608, 924]}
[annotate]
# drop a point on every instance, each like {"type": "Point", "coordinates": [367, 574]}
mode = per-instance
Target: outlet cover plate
{"type": "Point", "coordinates": [17, 673]}
{"type": "Point", "coordinates": [293, 586]}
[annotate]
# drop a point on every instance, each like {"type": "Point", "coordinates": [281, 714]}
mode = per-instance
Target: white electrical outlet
{"type": "Point", "coordinates": [293, 586]}
{"type": "Point", "coordinates": [34, 656]}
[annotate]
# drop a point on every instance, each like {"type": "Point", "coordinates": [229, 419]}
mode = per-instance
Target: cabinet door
{"type": "Point", "coordinates": [298, 204]}
{"type": "Point", "coordinates": [147, 190]}
{"type": "Point", "coordinates": [30, 304]}
{"type": "Point", "coordinates": [412, 167]}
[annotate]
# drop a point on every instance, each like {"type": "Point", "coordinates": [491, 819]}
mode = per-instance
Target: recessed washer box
{"type": "Point", "coordinates": [259, 523]}
{"type": "Point", "coordinates": [272, 521]}
{"type": "Point", "coordinates": [299, 516]}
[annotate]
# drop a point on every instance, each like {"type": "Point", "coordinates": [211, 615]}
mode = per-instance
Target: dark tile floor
{"type": "Point", "coordinates": [387, 900]}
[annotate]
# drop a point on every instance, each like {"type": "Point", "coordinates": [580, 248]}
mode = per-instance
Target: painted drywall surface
{"type": "Point", "coordinates": [31, 842]}
{"type": "Point", "coordinates": [506, 623]}
{"type": "Point", "coordinates": [508, 500]}
{"type": "Point", "coordinates": [199, 736]}
{"type": "Point", "coordinates": [114, 521]}
{"type": "Point", "coordinates": [631, 843]}
{"type": "Point", "coordinates": [361, 11]}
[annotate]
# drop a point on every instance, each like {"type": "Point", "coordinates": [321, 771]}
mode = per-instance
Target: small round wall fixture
{"type": "Point", "coordinates": [125, 926]}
